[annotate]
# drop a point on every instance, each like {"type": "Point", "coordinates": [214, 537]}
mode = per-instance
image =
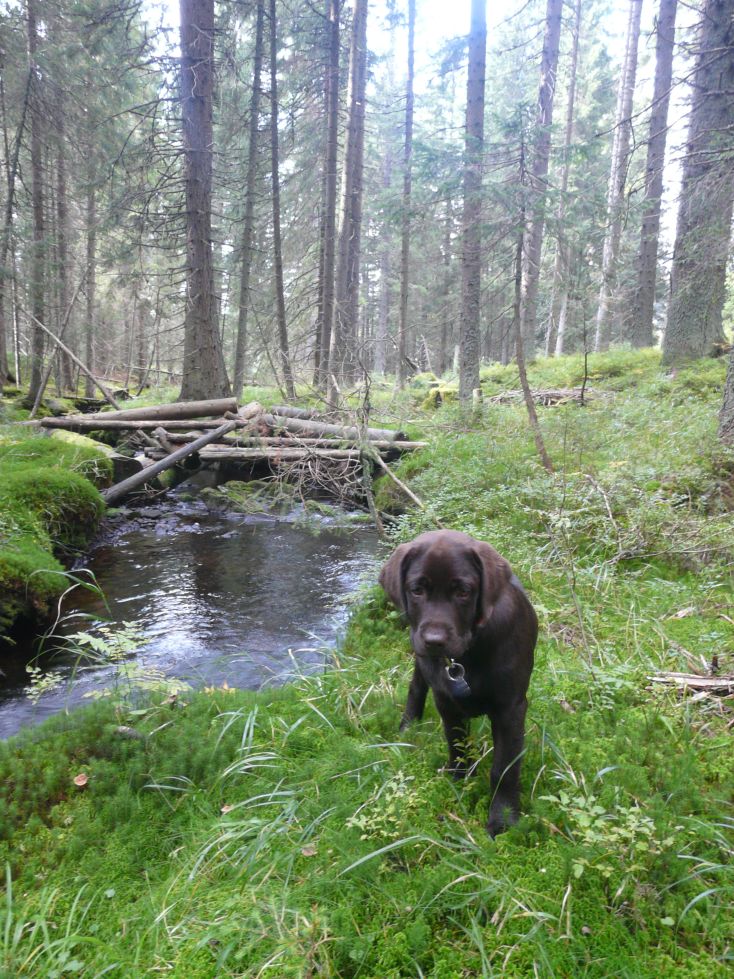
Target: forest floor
{"type": "Point", "coordinates": [293, 832]}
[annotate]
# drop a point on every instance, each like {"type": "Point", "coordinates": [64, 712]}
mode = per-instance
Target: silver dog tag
{"type": "Point", "coordinates": [456, 674]}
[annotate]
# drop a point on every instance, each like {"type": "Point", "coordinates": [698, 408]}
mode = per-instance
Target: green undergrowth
{"type": "Point", "coordinates": [295, 832]}
{"type": "Point", "coordinates": [49, 508]}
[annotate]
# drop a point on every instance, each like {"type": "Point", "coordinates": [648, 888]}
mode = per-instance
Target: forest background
{"type": "Point", "coordinates": [337, 230]}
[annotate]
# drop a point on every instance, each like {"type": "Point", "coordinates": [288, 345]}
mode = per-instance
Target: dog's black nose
{"type": "Point", "coordinates": [434, 636]}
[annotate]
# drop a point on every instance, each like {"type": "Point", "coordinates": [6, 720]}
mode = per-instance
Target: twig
{"type": "Point", "coordinates": [408, 492]}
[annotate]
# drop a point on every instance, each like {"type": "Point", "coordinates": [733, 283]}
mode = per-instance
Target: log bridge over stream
{"type": "Point", "coordinates": [219, 431]}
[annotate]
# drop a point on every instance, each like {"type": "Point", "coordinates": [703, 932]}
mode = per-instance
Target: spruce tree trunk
{"type": "Point", "coordinates": [563, 309]}
{"type": "Point", "coordinates": [204, 374]}
{"type": "Point", "coordinates": [328, 214]}
{"type": "Point", "coordinates": [642, 314]}
{"type": "Point", "coordinates": [344, 353]}
{"type": "Point", "coordinates": [38, 257]}
{"type": "Point", "coordinates": [561, 267]}
{"type": "Point", "coordinates": [246, 247]}
{"type": "Point", "coordinates": [383, 313]}
{"type": "Point", "coordinates": [62, 239]}
{"type": "Point", "coordinates": [285, 360]}
{"type": "Point", "coordinates": [471, 253]}
{"type": "Point", "coordinates": [705, 207]}
{"type": "Point", "coordinates": [726, 415]}
{"type": "Point", "coordinates": [401, 372]}
{"type": "Point", "coordinates": [91, 290]}
{"type": "Point", "coordinates": [533, 238]}
{"type": "Point", "coordinates": [445, 311]}
{"type": "Point", "coordinates": [7, 270]}
{"type": "Point", "coordinates": [617, 177]}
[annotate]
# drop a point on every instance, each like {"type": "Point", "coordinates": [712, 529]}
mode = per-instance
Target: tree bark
{"type": "Point", "coordinates": [204, 373]}
{"type": "Point", "coordinates": [726, 415]}
{"type": "Point", "coordinates": [471, 256]}
{"type": "Point", "coordinates": [343, 352]}
{"type": "Point", "coordinates": [328, 217]}
{"type": "Point", "coordinates": [561, 267]}
{"type": "Point", "coordinates": [247, 250]}
{"type": "Point", "coordinates": [91, 221]}
{"type": "Point", "coordinates": [401, 371]}
{"type": "Point", "coordinates": [641, 334]}
{"type": "Point", "coordinates": [303, 426]}
{"type": "Point", "coordinates": [617, 178]}
{"type": "Point", "coordinates": [383, 312]}
{"type": "Point", "coordinates": [11, 173]}
{"type": "Point", "coordinates": [517, 329]}
{"type": "Point", "coordinates": [533, 237]}
{"type": "Point", "coordinates": [176, 410]}
{"type": "Point", "coordinates": [63, 232]}
{"type": "Point", "coordinates": [38, 251]}
{"type": "Point", "coordinates": [445, 311]}
{"type": "Point", "coordinates": [705, 208]}
{"type": "Point", "coordinates": [285, 360]}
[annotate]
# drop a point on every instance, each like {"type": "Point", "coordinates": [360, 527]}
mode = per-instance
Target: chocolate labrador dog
{"type": "Point", "coordinates": [473, 632]}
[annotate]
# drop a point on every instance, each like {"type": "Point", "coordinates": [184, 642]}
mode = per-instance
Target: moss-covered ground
{"type": "Point", "coordinates": [293, 832]}
{"type": "Point", "coordinates": [49, 508]}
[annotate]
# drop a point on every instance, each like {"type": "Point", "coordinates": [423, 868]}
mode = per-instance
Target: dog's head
{"type": "Point", "coordinates": [448, 585]}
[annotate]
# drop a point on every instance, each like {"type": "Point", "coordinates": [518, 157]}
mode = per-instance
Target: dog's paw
{"type": "Point", "coordinates": [501, 817]}
{"type": "Point", "coordinates": [458, 770]}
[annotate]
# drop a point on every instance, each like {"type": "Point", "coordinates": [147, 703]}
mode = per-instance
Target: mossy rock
{"type": "Point", "coordinates": [317, 508]}
{"type": "Point", "coordinates": [256, 496]}
{"type": "Point", "coordinates": [438, 396]}
{"type": "Point", "coordinates": [318, 515]}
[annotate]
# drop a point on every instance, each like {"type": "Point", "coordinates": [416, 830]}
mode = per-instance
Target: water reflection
{"type": "Point", "coordinates": [237, 600]}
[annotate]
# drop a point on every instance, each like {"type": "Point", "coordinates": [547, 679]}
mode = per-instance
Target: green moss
{"type": "Point", "coordinates": [49, 505]}
{"type": "Point", "coordinates": [296, 831]}
{"type": "Point", "coordinates": [255, 496]}
{"type": "Point", "coordinates": [439, 395]}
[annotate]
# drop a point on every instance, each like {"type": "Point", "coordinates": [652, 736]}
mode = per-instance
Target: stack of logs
{"type": "Point", "coordinates": [282, 436]}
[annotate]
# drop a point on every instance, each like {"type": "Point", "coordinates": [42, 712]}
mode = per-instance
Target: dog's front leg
{"type": "Point", "coordinates": [416, 701]}
{"type": "Point", "coordinates": [508, 735]}
{"type": "Point", "coordinates": [456, 729]}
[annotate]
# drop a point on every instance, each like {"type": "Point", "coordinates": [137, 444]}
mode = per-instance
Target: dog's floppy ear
{"type": "Point", "coordinates": [495, 577]}
{"type": "Point", "coordinates": [392, 575]}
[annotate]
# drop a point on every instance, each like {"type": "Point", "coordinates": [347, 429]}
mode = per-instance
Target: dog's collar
{"type": "Point", "coordinates": [456, 674]}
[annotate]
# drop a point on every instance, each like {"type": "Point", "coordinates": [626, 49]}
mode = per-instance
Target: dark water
{"type": "Point", "coordinates": [219, 599]}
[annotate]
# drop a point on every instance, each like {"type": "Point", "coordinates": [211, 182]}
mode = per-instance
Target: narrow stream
{"type": "Point", "coordinates": [217, 598]}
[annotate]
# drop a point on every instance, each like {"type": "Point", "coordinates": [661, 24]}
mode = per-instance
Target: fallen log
{"type": "Point", "coordinates": [217, 453]}
{"type": "Point", "coordinates": [91, 423]}
{"type": "Point", "coordinates": [175, 410]}
{"type": "Point", "coordinates": [722, 685]}
{"type": "Point", "coordinates": [119, 490]}
{"type": "Point", "coordinates": [50, 365]}
{"type": "Point", "coordinates": [304, 427]}
{"type": "Point", "coordinates": [73, 357]}
{"type": "Point", "coordinates": [246, 441]}
{"type": "Point", "coordinates": [290, 411]}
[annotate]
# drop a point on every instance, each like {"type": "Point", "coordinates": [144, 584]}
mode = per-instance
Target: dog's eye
{"type": "Point", "coordinates": [462, 591]}
{"type": "Point", "coordinates": [417, 590]}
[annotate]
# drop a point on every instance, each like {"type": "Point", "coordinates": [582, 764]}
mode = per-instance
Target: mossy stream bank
{"type": "Point", "coordinates": [50, 508]}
